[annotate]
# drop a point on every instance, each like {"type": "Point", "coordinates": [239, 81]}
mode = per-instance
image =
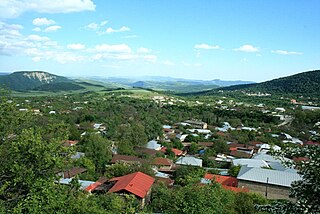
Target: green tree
{"type": "Point", "coordinates": [234, 170]}
{"type": "Point", "coordinates": [28, 169]}
{"type": "Point", "coordinates": [97, 149]}
{"type": "Point", "coordinates": [306, 190]}
{"type": "Point", "coordinates": [186, 175]}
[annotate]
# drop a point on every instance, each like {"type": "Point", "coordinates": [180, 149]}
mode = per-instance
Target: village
{"type": "Point", "coordinates": [237, 165]}
{"type": "Point", "coordinates": [259, 171]}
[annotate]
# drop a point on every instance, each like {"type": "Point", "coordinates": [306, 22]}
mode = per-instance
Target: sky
{"type": "Point", "coordinates": [253, 40]}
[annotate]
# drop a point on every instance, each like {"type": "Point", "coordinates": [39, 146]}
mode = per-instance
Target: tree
{"type": "Point", "coordinates": [193, 149]}
{"type": "Point", "coordinates": [306, 190]}
{"type": "Point", "coordinates": [97, 149]}
{"type": "Point", "coordinates": [234, 170]}
{"type": "Point", "coordinates": [192, 199]}
{"type": "Point", "coordinates": [186, 175]}
{"type": "Point", "coordinates": [28, 170]}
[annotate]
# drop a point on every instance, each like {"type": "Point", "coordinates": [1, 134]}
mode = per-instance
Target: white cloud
{"type": "Point", "coordinates": [37, 29]}
{"type": "Point", "coordinates": [247, 48]}
{"type": "Point", "coordinates": [37, 38]}
{"type": "Point", "coordinates": [96, 26]}
{"type": "Point", "coordinates": [169, 63]}
{"type": "Point", "coordinates": [92, 26]}
{"type": "Point", "coordinates": [43, 21]}
{"type": "Point", "coordinates": [14, 8]}
{"type": "Point", "coordinates": [52, 28]}
{"type": "Point", "coordinates": [206, 46]}
{"type": "Point", "coordinates": [283, 52]}
{"type": "Point", "coordinates": [150, 58]}
{"type": "Point", "coordinates": [76, 46]}
{"type": "Point", "coordinates": [103, 23]}
{"type": "Point", "coordinates": [121, 48]}
{"type": "Point", "coordinates": [122, 29]}
{"type": "Point", "coordinates": [10, 30]}
{"type": "Point", "coordinates": [144, 50]}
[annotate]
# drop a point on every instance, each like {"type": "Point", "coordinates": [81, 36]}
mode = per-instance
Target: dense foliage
{"type": "Point", "coordinates": [60, 86]}
{"type": "Point", "coordinates": [302, 83]}
{"type": "Point", "coordinates": [306, 191]}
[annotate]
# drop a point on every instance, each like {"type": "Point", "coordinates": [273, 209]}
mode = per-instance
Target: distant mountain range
{"type": "Point", "coordinates": [36, 80]}
{"type": "Point", "coordinates": [302, 83]}
{"type": "Point", "coordinates": [178, 85]}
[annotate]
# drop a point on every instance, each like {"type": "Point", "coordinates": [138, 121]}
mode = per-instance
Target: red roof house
{"type": "Point", "coordinates": [136, 183]}
{"type": "Point", "coordinates": [177, 152]}
{"type": "Point", "coordinates": [235, 189]}
{"type": "Point", "coordinates": [227, 182]}
{"type": "Point", "coordinates": [224, 180]}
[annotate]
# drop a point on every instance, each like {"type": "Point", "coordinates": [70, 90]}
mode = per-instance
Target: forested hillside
{"type": "Point", "coordinates": [302, 83]}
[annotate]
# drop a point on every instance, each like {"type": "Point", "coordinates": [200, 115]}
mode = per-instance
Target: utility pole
{"type": "Point", "coordinates": [267, 187]}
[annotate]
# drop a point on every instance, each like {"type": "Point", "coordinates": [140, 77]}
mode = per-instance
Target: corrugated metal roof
{"type": "Point", "coordinates": [153, 145]}
{"type": "Point", "coordinates": [250, 162]}
{"type": "Point", "coordinates": [137, 183]}
{"type": "Point", "coordinates": [189, 161]}
{"type": "Point", "coordinates": [280, 178]}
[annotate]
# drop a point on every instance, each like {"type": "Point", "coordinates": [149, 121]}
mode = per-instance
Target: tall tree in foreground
{"type": "Point", "coordinates": [307, 190]}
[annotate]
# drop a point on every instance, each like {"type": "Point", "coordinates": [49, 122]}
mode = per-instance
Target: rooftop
{"type": "Point", "coordinates": [260, 175]}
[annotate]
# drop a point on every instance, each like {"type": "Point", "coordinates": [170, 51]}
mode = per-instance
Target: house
{"type": "Point", "coordinates": [181, 137]}
{"type": "Point", "coordinates": [98, 185]}
{"type": "Point", "coordinates": [226, 126]}
{"type": "Point", "coordinates": [83, 183]}
{"type": "Point", "coordinates": [227, 182]}
{"type": "Point", "coordinates": [73, 172]}
{"type": "Point", "coordinates": [163, 164]}
{"type": "Point", "coordinates": [273, 184]}
{"type": "Point", "coordinates": [197, 124]}
{"type": "Point", "coordinates": [264, 148]}
{"type": "Point", "coordinates": [77, 155]}
{"type": "Point", "coordinates": [141, 151]}
{"type": "Point", "coordinates": [272, 162]}
{"type": "Point", "coordinates": [311, 108]}
{"type": "Point", "coordinates": [221, 179]}
{"type": "Point", "coordinates": [153, 144]}
{"type": "Point", "coordinates": [250, 162]}
{"type": "Point", "coordinates": [177, 152]}
{"type": "Point", "coordinates": [138, 184]}
{"type": "Point", "coordinates": [280, 109]}
{"type": "Point", "coordinates": [241, 152]}
{"type": "Point", "coordinates": [69, 143]}
{"type": "Point", "coordinates": [126, 159]}
{"type": "Point", "coordinates": [199, 131]}
{"type": "Point", "coordinates": [189, 161]}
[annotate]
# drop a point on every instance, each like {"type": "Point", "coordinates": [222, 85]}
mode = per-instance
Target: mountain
{"type": "Point", "coordinates": [302, 83]}
{"type": "Point", "coordinates": [28, 80]}
{"type": "Point", "coordinates": [178, 85]}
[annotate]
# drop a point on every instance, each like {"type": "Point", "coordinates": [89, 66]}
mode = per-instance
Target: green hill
{"type": "Point", "coordinates": [28, 80]}
{"type": "Point", "coordinates": [302, 83]}
{"type": "Point", "coordinates": [59, 86]}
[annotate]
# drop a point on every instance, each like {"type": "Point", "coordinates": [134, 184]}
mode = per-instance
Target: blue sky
{"type": "Point", "coordinates": [195, 39]}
